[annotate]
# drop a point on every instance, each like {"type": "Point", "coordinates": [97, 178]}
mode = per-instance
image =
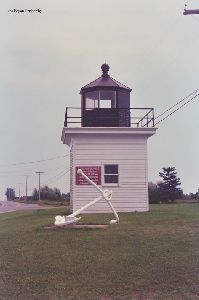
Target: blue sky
{"type": "Point", "coordinates": [46, 58]}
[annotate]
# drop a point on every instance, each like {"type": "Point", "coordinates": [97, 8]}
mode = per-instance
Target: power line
{"type": "Point", "coordinates": [21, 172]}
{"type": "Point", "coordinates": [193, 93]}
{"type": "Point", "coordinates": [58, 176]}
{"type": "Point", "coordinates": [36, 161]}
{"type": "Point", "coordinates": [55, 178]}
{"type": "Point", "coordinates": [59, 169]}
{"type": "Point", "coordinates": [177, 109]}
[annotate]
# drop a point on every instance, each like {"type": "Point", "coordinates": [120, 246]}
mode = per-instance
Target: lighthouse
{"type": "Point", "coordinates": [108, 142]}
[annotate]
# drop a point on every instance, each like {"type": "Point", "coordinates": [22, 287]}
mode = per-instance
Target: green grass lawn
{"type": "Point", "coordinates": [152, 255]}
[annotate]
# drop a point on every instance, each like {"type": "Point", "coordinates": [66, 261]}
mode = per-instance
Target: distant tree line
{"type": "Point", "coordinates": [47, 193]}
{"type": "Point", "coordinates": [192, 196]}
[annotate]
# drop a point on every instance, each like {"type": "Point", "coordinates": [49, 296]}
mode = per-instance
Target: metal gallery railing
{"type": "Point", "coordinates": [109, 117]}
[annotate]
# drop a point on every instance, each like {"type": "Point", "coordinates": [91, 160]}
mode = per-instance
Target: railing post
{"type": "Point", "coordinates": [153, 117]}
{"type": "Point", "coordinates": [66, 117]}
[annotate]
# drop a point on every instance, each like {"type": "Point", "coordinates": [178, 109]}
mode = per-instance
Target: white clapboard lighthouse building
{"type": "Point", "coordinates": [108, 141]}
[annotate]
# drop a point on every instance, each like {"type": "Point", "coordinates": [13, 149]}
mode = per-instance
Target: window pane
{"type": "Point", "coordinates": [91, 100]}
{"type": "Point", "coordinates": [90, 103]}
{"type": "Point", "coordinates": [111, 169]}
{"type": "Point", "coordinates": [109, 97]}
{"type": "Point", "coordinates": [111, 178]}
{"type": "Point", "coordinates": [105, 103]}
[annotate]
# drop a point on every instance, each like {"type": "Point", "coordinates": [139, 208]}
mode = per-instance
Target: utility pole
{"type": "Point", "coordinates": [26, 187]}
{"type": "Point", "coordinates": [39, 172]}
{"type": "Point", "coordinates": [19, 190]}
{"type": "Point", "coordinates": [190, 11]}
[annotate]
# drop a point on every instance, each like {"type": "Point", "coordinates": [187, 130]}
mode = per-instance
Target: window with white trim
{"type": "Point", "coordinates": [111, 175]}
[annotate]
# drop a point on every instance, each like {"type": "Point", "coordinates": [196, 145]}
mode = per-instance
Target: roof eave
{"type": "Point", "coordinates": [86, 89]}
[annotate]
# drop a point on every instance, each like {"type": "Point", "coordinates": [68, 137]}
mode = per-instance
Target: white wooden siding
{"type": "Point", "coordinates": [130, 153]}
{"type": "Point", "coordinates": [71, 178]}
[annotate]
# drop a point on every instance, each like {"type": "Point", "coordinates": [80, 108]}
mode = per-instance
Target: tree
{"type": "Point", "coordinates": [47, 193]}
{"type": "Point", "coordinates": [169, 186]}
{"type": "Point", "coordinates": [10, 194]}
{"type": "Point", "coordinates": [57, 193]}
{"type": "Point", "coordinates": [66, 196]}
{"type": "Point", "coordinates": [154, 193]}
{"type": "Point", "coordinates": [35, 195]}
{"type": "Point", "coordinates": [194, 196]}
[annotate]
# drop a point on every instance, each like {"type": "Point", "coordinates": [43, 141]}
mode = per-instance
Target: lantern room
{"type": "Point", "coordinates": [105, 102]}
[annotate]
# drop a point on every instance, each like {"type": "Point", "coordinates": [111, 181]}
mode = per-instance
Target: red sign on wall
{"type": "Point", "coordinates": [94, 173]}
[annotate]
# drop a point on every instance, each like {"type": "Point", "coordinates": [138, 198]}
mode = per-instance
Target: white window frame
{"type": "Point", "coordinates": [110, 184]}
